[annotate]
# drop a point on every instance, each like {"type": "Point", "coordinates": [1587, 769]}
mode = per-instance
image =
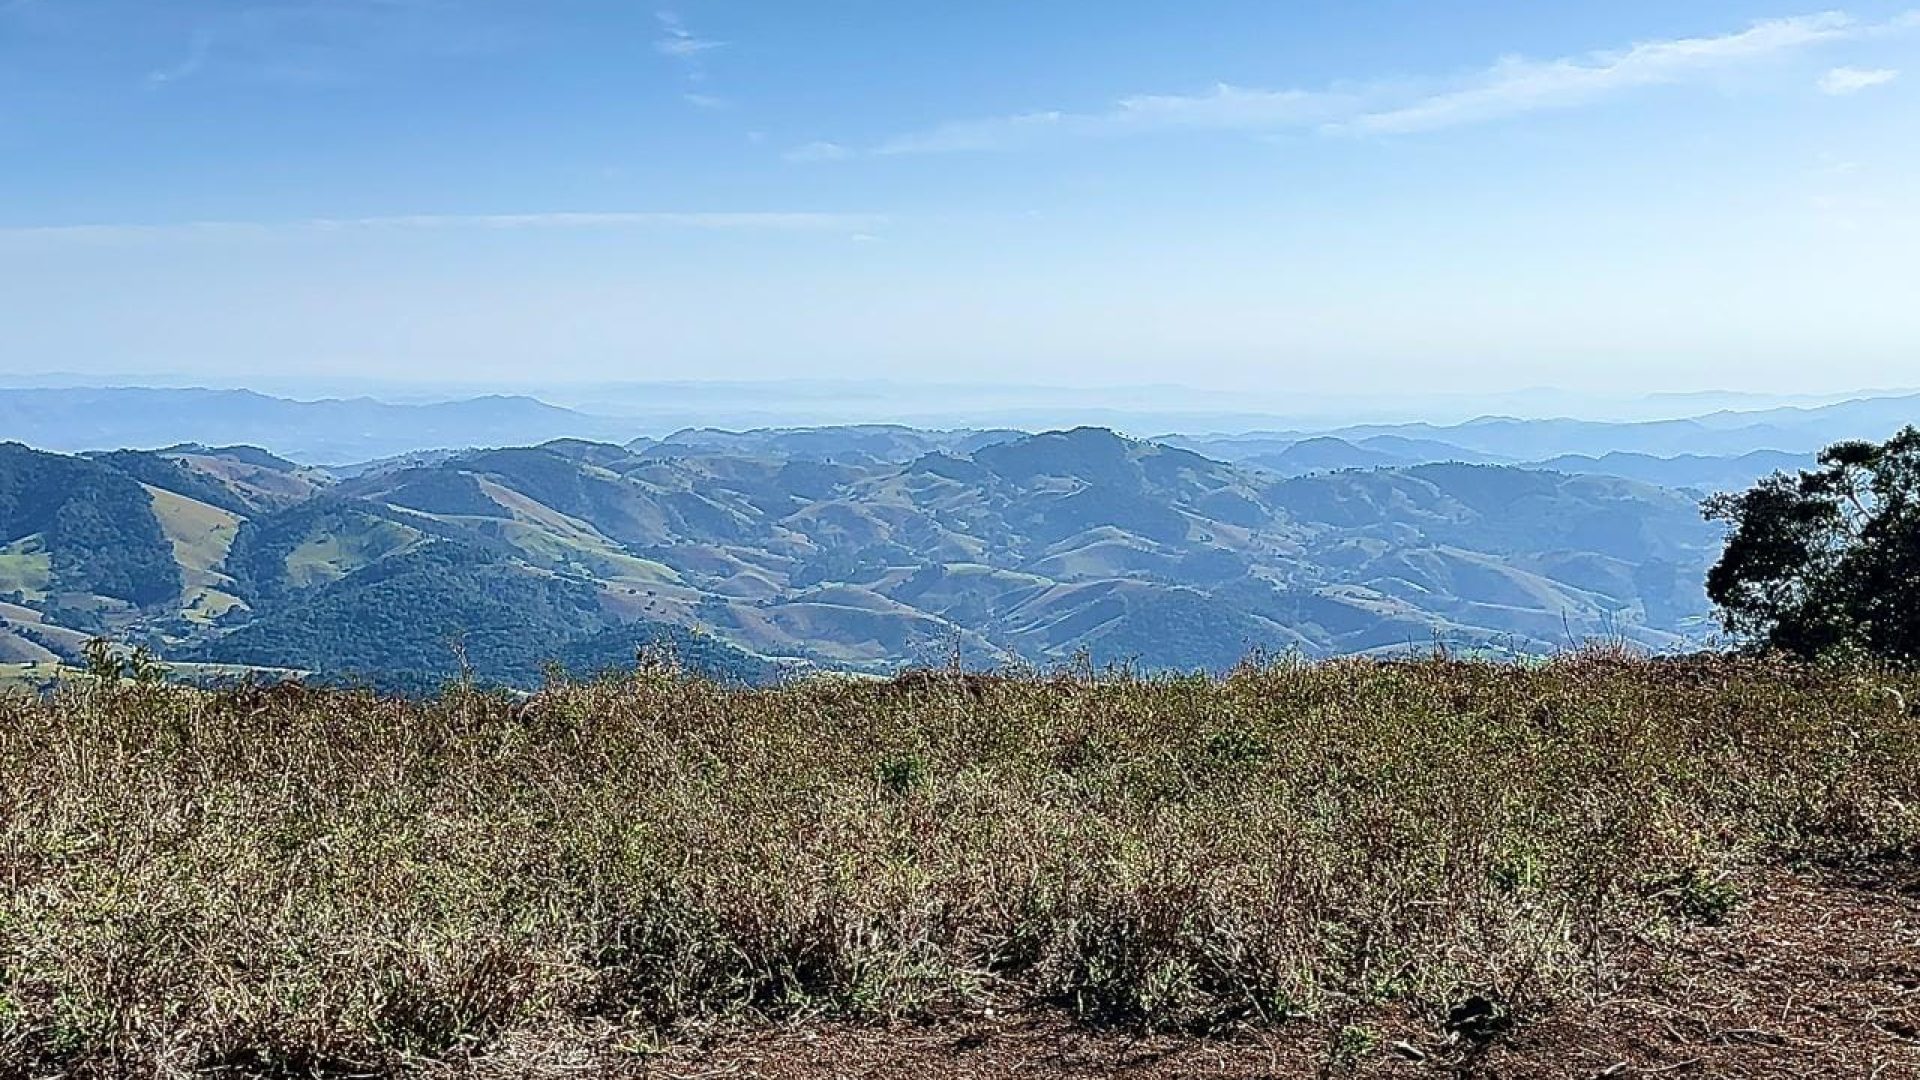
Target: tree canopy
{"type": "Point", "coordinates": [1827, 561]}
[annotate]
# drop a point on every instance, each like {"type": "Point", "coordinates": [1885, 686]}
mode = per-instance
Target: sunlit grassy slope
{"type": "Point", "coordinates": [305, 880]}
{"type": "Point", "coordinates": [201, 536]}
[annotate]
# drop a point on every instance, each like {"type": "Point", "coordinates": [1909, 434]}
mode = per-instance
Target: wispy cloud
{"type": "Point", "coordinates": [678, 41]}
{"type": "Point", "coordinates": [687, 49]}
{"type": "Point", "coordinates": [818, 151]}
{"type": "Point", "coordinates": [1223, 108]}
{"type": "Point", "coordinates": [738, 221]}
{"type": "Point", "coordinates": [196, 58]}
{"type": "Point", "coordinates": [1510, 87]}
{"type": "Point", "coordinates": [993, 133]}
{"type": "Point", "coordinates": [1846, 80]}
{"type": "Point", "coordinates": [309, 42]}
{"type": "Point", "coordinates": [1515, 86]}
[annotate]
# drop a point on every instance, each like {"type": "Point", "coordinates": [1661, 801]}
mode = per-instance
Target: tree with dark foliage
{"type": "Point", "coordinates": [1827, 562]}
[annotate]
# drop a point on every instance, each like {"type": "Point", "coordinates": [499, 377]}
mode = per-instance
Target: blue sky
{"type": "Point", "coordinates": [1332, 196]}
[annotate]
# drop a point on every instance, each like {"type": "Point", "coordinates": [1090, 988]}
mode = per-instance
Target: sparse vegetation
{"type": "Point", "coordinates": [288, 881]}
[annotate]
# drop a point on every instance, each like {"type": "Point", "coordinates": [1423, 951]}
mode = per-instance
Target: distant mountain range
{"type": "Point", "coordinates": [1715, 450]}
{"type": "Point", "coordinates": [1327, 453]}
{"type": "Point", "coordinates": [858, 549]}
{"type": "Point", "coordinates": [1509, 440]}
{"type": "Point", "coordinates": [334, 431]}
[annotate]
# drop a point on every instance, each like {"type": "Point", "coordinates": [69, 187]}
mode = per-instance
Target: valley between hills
{"type": "Point", "coordinates": [859, 549]}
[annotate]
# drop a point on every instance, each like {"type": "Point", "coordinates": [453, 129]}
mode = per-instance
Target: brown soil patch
{"type": "Point", "coordinates": [1813, 977]}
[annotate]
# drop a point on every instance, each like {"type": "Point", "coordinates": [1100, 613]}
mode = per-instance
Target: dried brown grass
{"type": "Point", "coordinates": [297, 882]}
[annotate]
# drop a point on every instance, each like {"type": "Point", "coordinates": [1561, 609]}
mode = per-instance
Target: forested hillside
{"type": "Point", "coordinates": [76, 529]}
{"type": "Point", "coordinates": [863, 550]}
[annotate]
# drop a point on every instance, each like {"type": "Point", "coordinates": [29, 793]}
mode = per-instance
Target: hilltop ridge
{"type": "Point", "coordinates": [808, 550]}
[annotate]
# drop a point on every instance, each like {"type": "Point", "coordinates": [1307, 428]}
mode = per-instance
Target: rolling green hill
{"type": "Point", "coordinates": [77, 527]}
{"type": "Point", "coordinates": [1042, 549]}
{"type": "Point", "coordinates": [415, 619]}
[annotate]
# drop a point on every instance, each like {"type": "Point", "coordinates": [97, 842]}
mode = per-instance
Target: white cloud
{"type": "Point", "coordinates": [818, 151]}
{"type": "Point", "coordinates": [1511, 86]}
{"type": "Point", "coordinates": [685, 48]}
{"type": "Point", "coordinates": [1848, 80]}
{"type": "Point", "coordinates": [1231, 108]}
{"type": "Point", "coordinates": [1514, 86]}
{"type": "Point", "coordinates": [997, 133]}
{"type": "Point", "coordinates": [679, 41]}
{"type": "Point", "coordinates": [1223, 108]}
{"type": "Point", "coordinates": [305, 43]}
{"type": "Point", "coordinates": [741, 221]}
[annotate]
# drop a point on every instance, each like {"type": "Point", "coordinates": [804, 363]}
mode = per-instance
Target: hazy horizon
{"type": "Point", "coordinates": [658, 409]}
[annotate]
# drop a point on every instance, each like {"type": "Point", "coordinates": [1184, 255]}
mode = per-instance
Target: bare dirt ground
{"type": "Point", "coordinates": [1816, 976]}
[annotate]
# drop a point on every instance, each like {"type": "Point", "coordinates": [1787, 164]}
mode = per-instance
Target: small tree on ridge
{"type": "Point", "coordinates": [1827, 562]}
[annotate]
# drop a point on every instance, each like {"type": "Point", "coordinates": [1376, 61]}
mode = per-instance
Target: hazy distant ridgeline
{"type": "Point", "coordinates": [1327, 453]}
{"type": "Point", "coordinates": [1713, 449]}
{"type": "Point", "coordinates": [326, 432]}
{"type": "Point", "coordinates": [1000, 547]}
{"type": "Point", "coordinates": [1510, 440]}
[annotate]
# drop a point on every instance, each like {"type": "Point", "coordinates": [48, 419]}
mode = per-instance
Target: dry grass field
{"type": "Point", "coordinates": [1594, 866]}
